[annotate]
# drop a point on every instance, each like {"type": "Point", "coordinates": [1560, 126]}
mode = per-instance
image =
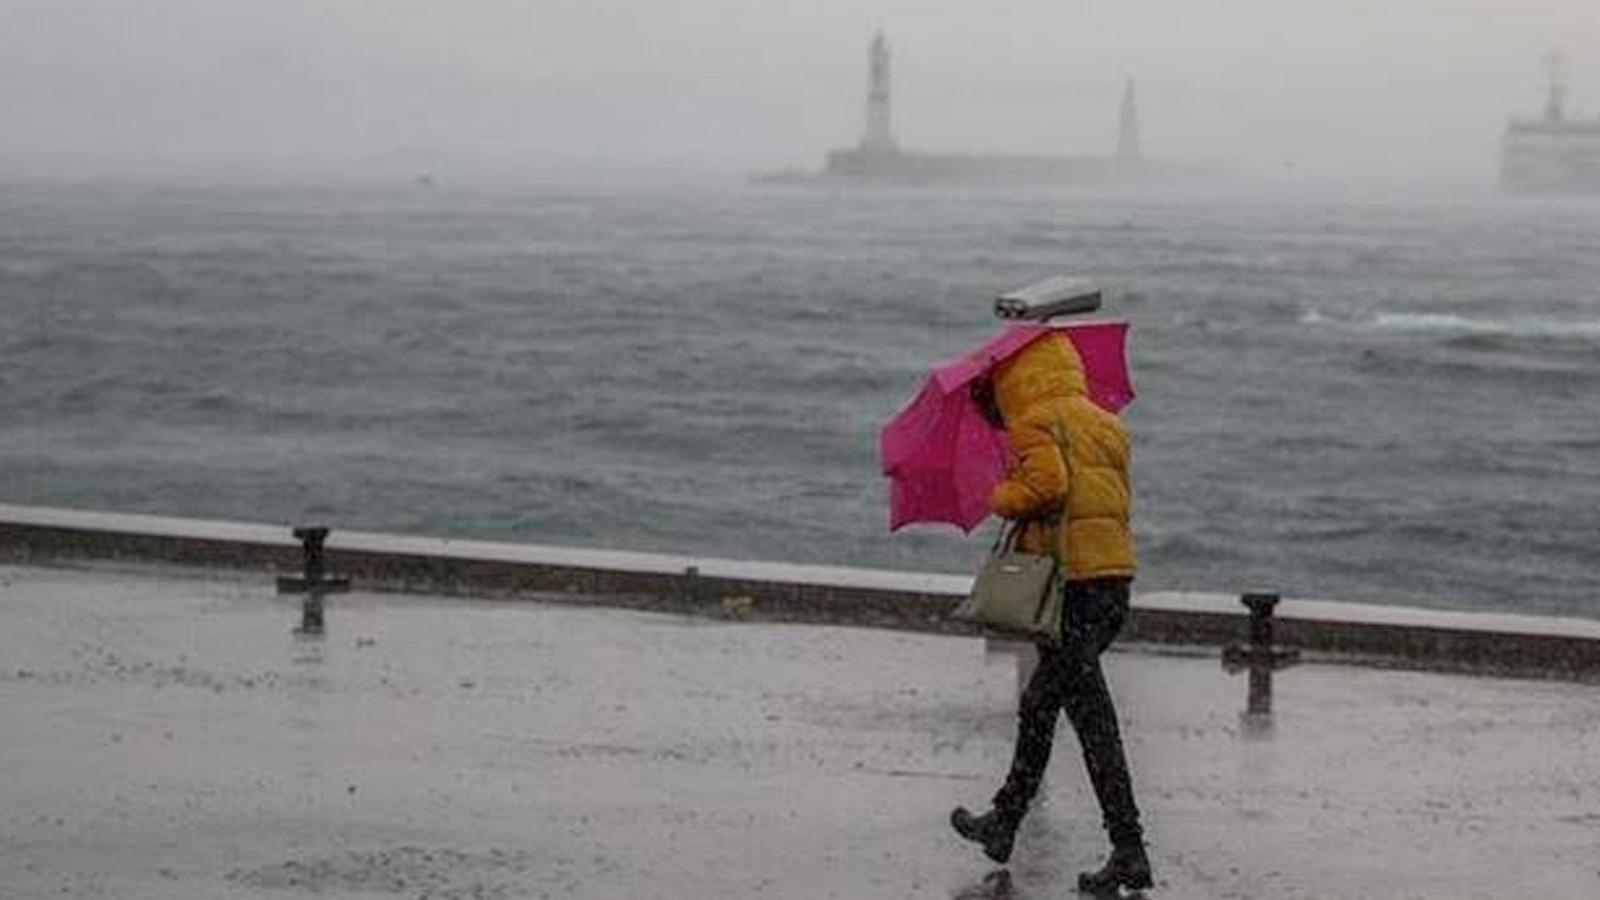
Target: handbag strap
{"type": "Point", "coordinates": [1005, 540]}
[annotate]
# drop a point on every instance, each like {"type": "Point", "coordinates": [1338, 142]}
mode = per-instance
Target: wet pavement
{"type": "Point", "coordinates": [167, 736]}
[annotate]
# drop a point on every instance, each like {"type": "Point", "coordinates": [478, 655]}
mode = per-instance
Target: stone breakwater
{"type": "Point", "coordinates": [1381, 635]}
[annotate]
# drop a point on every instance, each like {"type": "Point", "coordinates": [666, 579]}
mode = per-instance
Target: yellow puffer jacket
{"type": "Point", "coordinates": [1071, 456]}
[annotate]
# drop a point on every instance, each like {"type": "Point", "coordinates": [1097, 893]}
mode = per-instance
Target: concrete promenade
{"type": "Point", "coordinates": [165, 736]}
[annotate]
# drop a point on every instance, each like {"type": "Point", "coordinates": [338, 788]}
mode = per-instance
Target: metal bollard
{"type": "Point", "coordinates": [1260, 656]}
{"type": "Point", "coordinates": [691, 586]}
{"type": "Point", "coordinates": [1261, 607]}
{"type": "Point", "coordinates": [314, 581]}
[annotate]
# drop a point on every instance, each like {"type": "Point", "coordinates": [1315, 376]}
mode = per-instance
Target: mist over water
{"type": "Point", "coordinates": [1290, 90]}
{"type": "Point", "coordinates": [1361, 398]}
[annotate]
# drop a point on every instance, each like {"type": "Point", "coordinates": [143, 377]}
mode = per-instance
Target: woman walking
{"type": "Point", "coordinates": [1070, 489]}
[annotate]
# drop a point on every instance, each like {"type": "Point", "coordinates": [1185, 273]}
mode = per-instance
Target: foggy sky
{"type": "Point", "coordinates": [1402, 88]}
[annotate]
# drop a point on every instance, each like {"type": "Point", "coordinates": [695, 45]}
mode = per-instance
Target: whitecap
{"type": "Point", "coordinates": [1513, 326]}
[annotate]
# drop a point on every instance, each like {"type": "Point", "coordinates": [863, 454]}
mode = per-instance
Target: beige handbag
{"type": "Point", "coordinates": [1015, 594]}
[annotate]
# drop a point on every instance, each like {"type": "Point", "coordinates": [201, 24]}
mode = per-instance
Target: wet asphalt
{"type": "Point", "coordinates": [167, 736]}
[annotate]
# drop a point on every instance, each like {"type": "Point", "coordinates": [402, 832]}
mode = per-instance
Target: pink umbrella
{"type": "Point", "coordinates": [941, 455]}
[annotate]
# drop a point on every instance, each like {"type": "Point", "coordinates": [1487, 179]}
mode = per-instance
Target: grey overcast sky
{"type": "Point", "coordinates": [1396, 88]}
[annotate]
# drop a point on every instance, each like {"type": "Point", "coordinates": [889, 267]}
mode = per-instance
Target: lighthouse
{"type": "Point", "coordinates": [877, 139]}
{"type": "Point", "coordinates": [877, 157]}
{"type": "Point", "coordinates": [1128, 149]}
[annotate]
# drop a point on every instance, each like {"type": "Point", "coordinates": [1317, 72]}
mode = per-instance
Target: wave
{"type": "Point", "coordinates": [1448, 324]}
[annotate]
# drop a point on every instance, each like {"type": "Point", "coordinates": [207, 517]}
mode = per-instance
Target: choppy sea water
{"type": "Point", "coordinates": [1382, 399]}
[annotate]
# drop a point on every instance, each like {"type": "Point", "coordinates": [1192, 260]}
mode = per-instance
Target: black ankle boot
{"type": "Point", "coordinates": [1126, 867]}
{"type": "Point", "coordinates": [995, 830]}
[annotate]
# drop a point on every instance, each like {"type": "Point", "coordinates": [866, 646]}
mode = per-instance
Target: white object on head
{"type": "Point", "coordinates": [1058, 295]}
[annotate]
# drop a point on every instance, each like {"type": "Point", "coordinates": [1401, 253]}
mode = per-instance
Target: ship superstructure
{"type": "Point", "coordinates": [1555, 153]}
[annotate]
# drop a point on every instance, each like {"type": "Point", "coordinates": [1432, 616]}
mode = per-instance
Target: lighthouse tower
{"type": "Point", "coordinates": [877, 139]}
{"type": "Point", "coordinates": [1555, 104]}
{"type": "Point", "coordinates": [1128, 149]}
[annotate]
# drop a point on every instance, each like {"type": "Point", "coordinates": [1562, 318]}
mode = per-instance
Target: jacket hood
{"type": "Point", "coordinates": [1046, 369]}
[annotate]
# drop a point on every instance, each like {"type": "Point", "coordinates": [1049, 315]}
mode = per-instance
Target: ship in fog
{"type": "Point", "coordinates": [1555, 153]}
{"type": "Point", "coordinates": [878, 157]}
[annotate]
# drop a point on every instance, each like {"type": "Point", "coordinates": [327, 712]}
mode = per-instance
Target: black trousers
{"type": "Point", "coordinates": [1069, 679]}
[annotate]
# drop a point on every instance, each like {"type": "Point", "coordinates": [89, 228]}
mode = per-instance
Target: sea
{"type": "Point", "coordinates": [1382, 395]}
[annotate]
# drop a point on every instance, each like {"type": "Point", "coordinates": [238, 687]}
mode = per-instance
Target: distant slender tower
{"type": "Point", "coordinates": [1128, 149]}
{"type": "Point", "coordinates": [877, 138]}
{"type": "Point", "coordinates": [1555, 103]}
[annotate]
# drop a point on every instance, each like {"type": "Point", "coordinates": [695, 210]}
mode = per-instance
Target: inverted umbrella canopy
{"type": "Point", "coordinates": [942, 456]}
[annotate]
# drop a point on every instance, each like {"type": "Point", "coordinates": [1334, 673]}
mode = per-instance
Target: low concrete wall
{"type": "Point", "coordinates": [1405, 637]}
